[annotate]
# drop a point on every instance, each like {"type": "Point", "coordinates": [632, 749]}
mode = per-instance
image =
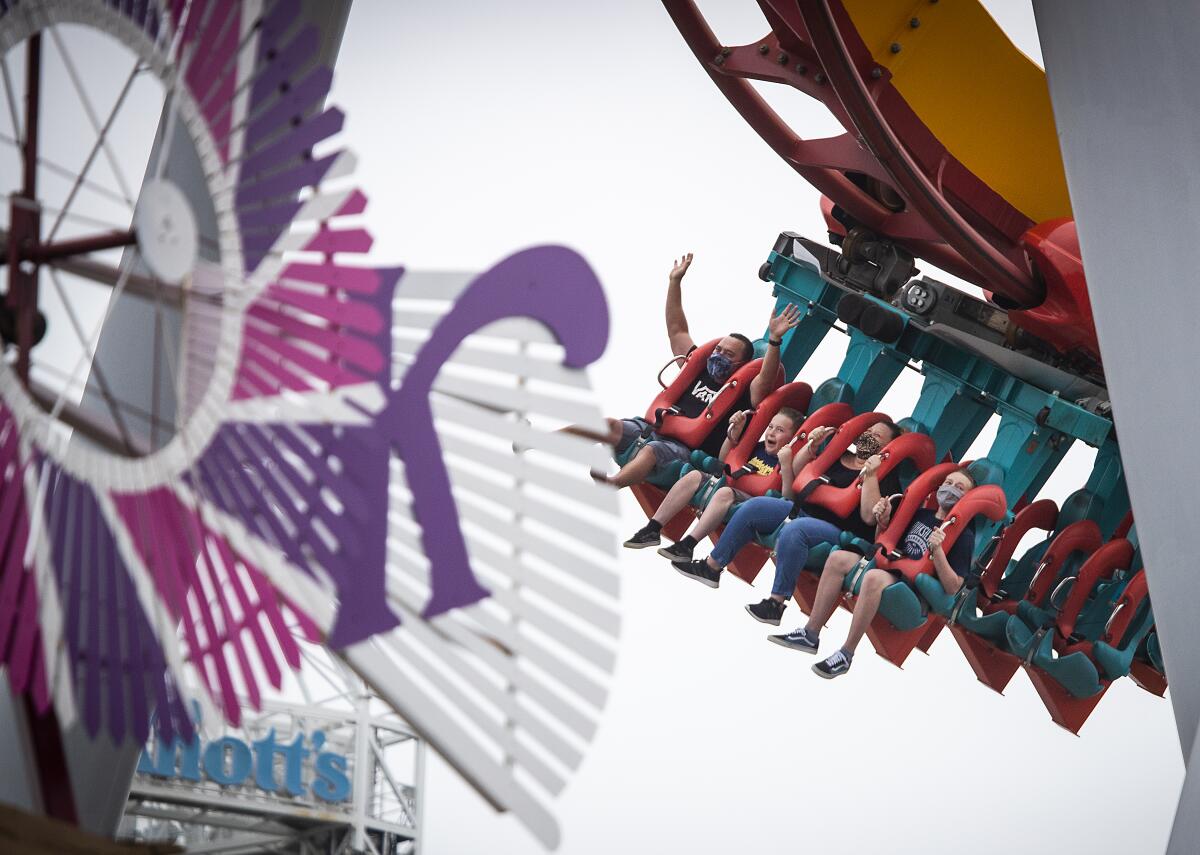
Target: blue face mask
{"type": "Point", "coordinates": [720, 366]}
{"type": "Point", "coordinates": [948, 496]}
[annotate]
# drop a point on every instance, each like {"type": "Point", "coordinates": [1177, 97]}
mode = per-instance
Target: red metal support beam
{"type": "Point", "coordinates": [25, 219]}
{"type": "Point", "coordinates": [42, 253]}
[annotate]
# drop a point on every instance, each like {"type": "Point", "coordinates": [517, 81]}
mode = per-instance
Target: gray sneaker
{"type": "Point", "coordinates": [797, 639]}
{"type": "Point", "coordinates": [835, 666]}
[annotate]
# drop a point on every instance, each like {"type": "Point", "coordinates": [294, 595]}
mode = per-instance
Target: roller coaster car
{"type": "Point", "coordinates": [692, 432]}
{"type": "Point", "coordinates": [749, 561]}
{"type": "Point", "coordinates": [1072, 681]}
{"type": "Point", "coordinates": [902, 622]}
{"type": "Point", "coordinates": [916, 449]}
{"type": "Point", "coordinates": [1073, 592]}
{"type": "Point", "coordinates": [980, 625]}
{"type": "Point", "coordinates": [1147, 669]}
{"type": "Point", "coordinates": [735, 471]}
{"type": "Point", "coordinates": [993, 666]}
{"type": "Point", "coordinates": [913, 451]}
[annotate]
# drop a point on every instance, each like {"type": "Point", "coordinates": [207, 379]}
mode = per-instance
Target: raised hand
{"type": "Point", "coordinates": [787, 318]}
{"type": "Point", "coordinates": [681, 267]}
{"type": "Point", "coordinates": [819, 434]}
{"type": "Point", "coordinates": [785, 455]}
{"type": "Point", "coordinates": [935, 540]}
{"type": "Point", "coordinates": [882, 511]}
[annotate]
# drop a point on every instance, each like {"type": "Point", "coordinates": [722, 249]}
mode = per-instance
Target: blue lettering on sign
{"type": "Point", "coordinates": [230, 762]}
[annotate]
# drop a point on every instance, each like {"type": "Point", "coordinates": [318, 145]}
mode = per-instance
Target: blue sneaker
{"type": "Point", "coordinates": [797, 639]}
{"type": "Point", "coordinates": [835, 666]}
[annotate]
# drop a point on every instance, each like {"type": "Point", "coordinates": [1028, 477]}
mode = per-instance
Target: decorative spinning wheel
{"type": "Point", "coordinates": [215, 439]}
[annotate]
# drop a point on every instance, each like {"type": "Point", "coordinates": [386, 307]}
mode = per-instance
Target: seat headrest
{"type": "Point", "coordinates": [760, 348]}
{"type": "Point", "coordinates": [1080, 505]}
{"type": "Point", "coordinates": [984, 471]}
{"type": "Point", "coordinates": [911, 425]}
{"type": "Point", "coordinates": [832, 391]}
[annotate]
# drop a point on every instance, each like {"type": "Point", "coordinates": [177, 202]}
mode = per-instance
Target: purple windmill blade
{"type": "Point", "coordinates": [499, 545]}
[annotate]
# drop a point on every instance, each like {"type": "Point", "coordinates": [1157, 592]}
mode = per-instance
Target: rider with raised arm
{"type": "Point", "coordinates": [730, 353]}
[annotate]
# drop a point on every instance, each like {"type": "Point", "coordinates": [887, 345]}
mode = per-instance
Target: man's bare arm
{"type": "Point", "coordinates": [764, 383]}
{"type": "Point", "coordinates": [677, 326]}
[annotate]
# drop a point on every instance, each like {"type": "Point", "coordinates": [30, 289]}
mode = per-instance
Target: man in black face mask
{"type": "Point", "coordinates": [730, 354]}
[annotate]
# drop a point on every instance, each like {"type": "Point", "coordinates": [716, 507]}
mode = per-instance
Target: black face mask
{"type": "Point", "coordinates": [865, 444]}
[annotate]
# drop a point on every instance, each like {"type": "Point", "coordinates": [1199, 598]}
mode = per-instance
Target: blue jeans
{"type": "Point", "coordinates": [762, 515]}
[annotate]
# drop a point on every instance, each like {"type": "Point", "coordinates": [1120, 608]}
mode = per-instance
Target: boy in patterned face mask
{"type": "Point", "coordinates": [924, 534]}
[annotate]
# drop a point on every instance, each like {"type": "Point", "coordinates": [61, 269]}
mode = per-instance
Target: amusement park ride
{"type": "Point", "coordinates": [291, 463]}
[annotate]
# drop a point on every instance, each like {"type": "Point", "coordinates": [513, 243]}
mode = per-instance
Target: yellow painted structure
{"type": "Point", "coordinates": [983, 98]}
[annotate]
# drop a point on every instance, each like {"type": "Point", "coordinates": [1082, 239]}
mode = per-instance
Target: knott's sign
{"type": "Point", "coordinates": [296, 770]}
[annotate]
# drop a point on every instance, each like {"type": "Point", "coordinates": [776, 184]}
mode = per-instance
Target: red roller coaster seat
{"type": "Point", "coordinates": [794, 395]}
{"type": "Point", "coordinates": [1072, 683]}
{"type": "Point", "coordinates": [994, 666]}
{"type": "Point", "coordinates": [844, 501]}
{"type": "Point", "coordinates": [749, 561]}
{"type": "Point", "coordinates": [988, 500]}
{"type": "Point", "coordinates": [1079, 537]}
{"type": "Point", "coordinates": [692, 432]}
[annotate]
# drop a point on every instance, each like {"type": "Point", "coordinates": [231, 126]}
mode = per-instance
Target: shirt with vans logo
{"type": "Point", "coordinates": [916, 541]}
{"type": "Point", "coordinates": [699, 395]}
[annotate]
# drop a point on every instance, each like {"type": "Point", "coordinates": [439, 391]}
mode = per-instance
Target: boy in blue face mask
{"type": "Point", "coordinates": [730, 353]}
{"type": "Point", "coordinates": [924, 534]}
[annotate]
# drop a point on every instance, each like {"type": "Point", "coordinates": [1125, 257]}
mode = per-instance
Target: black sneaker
{"type": "Point", "coordinates": [701, 572]}
{"type": "Point", "coordinates": [835, 666]}
{"type": "Point", "coordinates": [680, 552]}
{"type": "Point", "coordinates": [643, 537]}
{"type": "Point", "coordinates": [768, 611]}
{"type": "Point", "coordinates": [797, 639]}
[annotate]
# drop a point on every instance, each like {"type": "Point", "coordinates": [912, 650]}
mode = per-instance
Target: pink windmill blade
{"type": "Point", "coordinates": [281, 462]}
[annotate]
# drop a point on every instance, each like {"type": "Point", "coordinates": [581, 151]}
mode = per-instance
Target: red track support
{"type": "Point", "coordinates": [1065, 710]}
{"type": "Point", "coordinates": [747, 564]}
{"type": "Point", "coordinates": [993, 666]}
{"type": "Point", "coordinates": [1148, 678]}
{"type": "Point", "coordinates": [927, 640]}
{"type": "Point", "coordinates": [24, 217]}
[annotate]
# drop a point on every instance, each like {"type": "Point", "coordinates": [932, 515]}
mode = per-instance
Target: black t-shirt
{"type": "Point", "coordinates": [840, 475]}
{"type": "Point", "coordinates": [699, 395]}
{"type": "Point", "coordinates": [761, 461]}
{"type": "Point", "coordinates": [916, 541]}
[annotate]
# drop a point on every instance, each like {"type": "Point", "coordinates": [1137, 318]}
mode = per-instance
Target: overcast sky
{"type": "Point", "coordinates": [484, 128]}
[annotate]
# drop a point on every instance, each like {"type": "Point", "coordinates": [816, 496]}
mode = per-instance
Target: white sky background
{"type": "Point", "coordinates": [486, 128]}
